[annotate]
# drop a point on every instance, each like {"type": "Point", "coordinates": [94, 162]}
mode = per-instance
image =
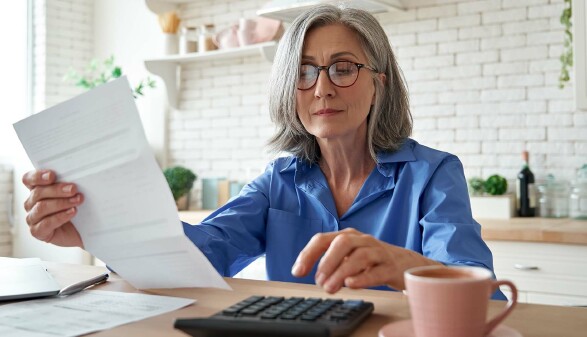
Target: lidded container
{"type": "Point", "coordinates": [188, 42]}
{"type": "Point", "coordinates": [578, 196]}
{"type": "Point", "coordinates": [206, 38]}
{"type": "Point", "coordinates": [553, 198]}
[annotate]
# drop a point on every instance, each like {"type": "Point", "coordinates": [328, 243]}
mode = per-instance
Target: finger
{"type": "Point", "coordinates": [38, 178]}
{"type": "Point", "coordinates": [341, 247]}
{"type": "Point", "coordinates": [374, 276]}
{"type": "Point", "coordinates": [359, 261]}
{"type": "Point", "coordinates": [45, 208]}
{"type": "Point", "coordinates": [311, 253]}
{"type": "Point", "coordinates": [44, 230]}
{"type": "Point", "coordinates": [59, 190]}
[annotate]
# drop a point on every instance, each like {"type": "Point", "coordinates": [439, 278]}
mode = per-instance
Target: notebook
{"type": "Point", "coordinates": [25, 278]}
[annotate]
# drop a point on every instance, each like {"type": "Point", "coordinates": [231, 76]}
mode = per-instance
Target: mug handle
{"type": "Point", "coordinates": [508, 308]}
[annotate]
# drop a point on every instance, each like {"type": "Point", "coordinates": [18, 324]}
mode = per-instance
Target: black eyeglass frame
{"type": "Point", "coordinates": [320, 68]}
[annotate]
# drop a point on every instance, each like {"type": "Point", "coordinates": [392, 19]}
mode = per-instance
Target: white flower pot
{"type": "Point", "coordinates": [493, 207]}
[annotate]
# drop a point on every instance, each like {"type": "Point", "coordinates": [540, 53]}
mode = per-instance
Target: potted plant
{"type": "Point", "coordinates": [489, 199]}
{"type": "Point", "coordinates": [101, 72]}
{"type": "Point", "coordinates": [180, 180]}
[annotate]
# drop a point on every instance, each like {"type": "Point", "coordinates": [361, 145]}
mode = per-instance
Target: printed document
{"type": "Point", "coordinates": [128, 219]}
{"type": "Point", "coordinates": [82, 313]}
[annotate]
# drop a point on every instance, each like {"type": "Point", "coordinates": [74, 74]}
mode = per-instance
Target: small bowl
{"type": "Point", "coordinates": [227, 38]}
{"type": "Point", "coordinates": [267, 30]}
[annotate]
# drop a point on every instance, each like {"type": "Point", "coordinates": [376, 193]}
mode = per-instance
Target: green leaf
{"type": "Point", "coordinates": [476, 186]}
{"type": "Point", "coordinates": [102, 72]}
{"type": "Point", "coordinates": [116, 72]}
{"type": "Point", "coordinates": [93, 65]}
{"type": "Point", "coordinates": [496, 185]}
{"type": "Point", "coordinates": [566, 58]}
{"type": "Point", "coordinates": [109, 61]}
{"type": "Point", "coordinates": [82, 82]}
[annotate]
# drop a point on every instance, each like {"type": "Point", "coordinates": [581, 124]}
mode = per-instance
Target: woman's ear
{"type": "Point", "coordinates": [380, 77]}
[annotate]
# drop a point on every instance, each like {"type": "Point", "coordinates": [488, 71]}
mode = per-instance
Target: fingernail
{"type": "Point", "coordinates": [45, 176]}
{"type": "Point", "coordinates": [70, 211]}
{"type": "Point", "coordinates": [296, 269]}
{"type": "Point", "coordinates": [74, 200]}
{"type": "Point", "coordinates": [67, 188]}
{"type": "Point", "coordinates": [331, 288]}
{"type": "Point", "coordinates": [320, 279]}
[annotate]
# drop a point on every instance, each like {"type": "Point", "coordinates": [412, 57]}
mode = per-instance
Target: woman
{"type": "Point", "coordinates": [356, 204]}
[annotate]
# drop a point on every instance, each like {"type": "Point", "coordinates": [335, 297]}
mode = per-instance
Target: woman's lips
{"type": "Point", "coordinates": [326, 112]}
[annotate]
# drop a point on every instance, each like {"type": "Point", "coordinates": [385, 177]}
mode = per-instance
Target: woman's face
{"type": "Point", "coordinates": [326, 110]}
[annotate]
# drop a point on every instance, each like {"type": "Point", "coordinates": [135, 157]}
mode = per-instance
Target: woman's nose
{"type": "Point", "coordinates": [324, 87]}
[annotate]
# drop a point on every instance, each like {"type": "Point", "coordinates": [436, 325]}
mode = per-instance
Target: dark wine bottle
{"type": "Point", "coordinates": [525, 190]}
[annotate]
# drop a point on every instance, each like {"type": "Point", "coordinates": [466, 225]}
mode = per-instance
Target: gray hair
{"type": "Point", "coordinates": [390, 119]}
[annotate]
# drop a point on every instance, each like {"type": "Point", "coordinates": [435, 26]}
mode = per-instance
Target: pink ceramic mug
{"type": "Point", "coordinates": [453, 301]}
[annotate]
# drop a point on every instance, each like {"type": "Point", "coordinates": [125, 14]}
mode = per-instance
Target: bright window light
{"type": "Point", "coordinates": [13, 67]}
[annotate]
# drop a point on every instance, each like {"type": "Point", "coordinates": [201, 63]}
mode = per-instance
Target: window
{"type": "Point", "coordinates": [14, 58]}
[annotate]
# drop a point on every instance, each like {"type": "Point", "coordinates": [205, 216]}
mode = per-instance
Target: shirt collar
{"type": "Point", "coordinates": [404, 154]}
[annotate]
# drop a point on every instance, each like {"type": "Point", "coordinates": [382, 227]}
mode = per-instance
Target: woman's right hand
{"type": "Point", "coordinates": [50, 207]}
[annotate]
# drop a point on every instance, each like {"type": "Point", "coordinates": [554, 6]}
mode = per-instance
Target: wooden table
{"type": "Point", "coordinates": [530, 319]}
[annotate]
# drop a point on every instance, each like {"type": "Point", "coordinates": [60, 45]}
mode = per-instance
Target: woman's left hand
{"type": "Point", "coordinates": [356, 260]}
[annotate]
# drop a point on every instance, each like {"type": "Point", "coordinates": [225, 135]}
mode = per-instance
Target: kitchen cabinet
{"type": "Point", "coordinates": [580, 51]}
{"type": "Point", "coordinates": [545, 273]}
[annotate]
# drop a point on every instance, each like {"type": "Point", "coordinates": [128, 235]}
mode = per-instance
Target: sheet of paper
{"type": "Point", "coordinates": [82, 313]}
{"type": "Point", "coordinates": [11, 261]}
{"type": "Point", "coordinates": [96, 140]}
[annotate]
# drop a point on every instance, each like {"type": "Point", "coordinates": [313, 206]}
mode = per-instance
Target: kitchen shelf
{"type": "Point", "coordinates": [288, 10]}
{"type": "Point", "coordinates": [163, 6]}
{"type": "Point", "coordinates": [168, 67]}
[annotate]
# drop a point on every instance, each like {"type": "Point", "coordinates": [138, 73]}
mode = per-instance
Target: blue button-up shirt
{"type": "Point", "coordinates": [415, 198]}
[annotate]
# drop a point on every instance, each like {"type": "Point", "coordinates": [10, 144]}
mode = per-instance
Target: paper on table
{"type": "Point", "coordinates": [11, 261]}
{"type": "Point", "coordinates": [128, 219]}
{"type": "Point", "coordinates": [82, 313]}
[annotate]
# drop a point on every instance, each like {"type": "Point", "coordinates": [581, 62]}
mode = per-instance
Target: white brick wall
{"type": "Point", "coordinates": [512, 103]}
{"type": "Point", "coordinates": [483, 80]}
{"type": "Point", "coordinates": [6, 189]}
{"type": "Point", "coordinates": [63, 38]}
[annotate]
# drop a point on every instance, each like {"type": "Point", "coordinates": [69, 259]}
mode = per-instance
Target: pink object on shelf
{"type": "Point", "coordinates": [267, 30]}
{"type": "Point", "coordinates": [249, 31]}
{"type": "Point", "coordinates": [227, 38]}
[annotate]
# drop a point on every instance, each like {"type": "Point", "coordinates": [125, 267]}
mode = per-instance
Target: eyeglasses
{"type": "Point", "coordinates": [342, 74]}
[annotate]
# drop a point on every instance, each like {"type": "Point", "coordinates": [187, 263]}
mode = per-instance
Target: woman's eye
{"type": "Point", "coordinates": [306, 72]}
{"type": "Point", "coordinates": [343, 69]}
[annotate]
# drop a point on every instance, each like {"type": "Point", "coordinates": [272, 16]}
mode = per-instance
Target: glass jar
{"type": "Point", "coordinates": [553, 198]}
{"type": "Point", "coordinates": [206, 38]}
{"type": "Point", "coordinates": [188, 42]}
{"type": "Point", "coordinates": [544, 201]}
{"type": "Point", "coordinates": [578, 196]}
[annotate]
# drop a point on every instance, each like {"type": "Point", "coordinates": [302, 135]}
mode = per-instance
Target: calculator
{"type": "Point", "coordinates": [262, 316]}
